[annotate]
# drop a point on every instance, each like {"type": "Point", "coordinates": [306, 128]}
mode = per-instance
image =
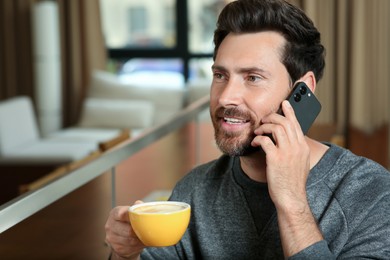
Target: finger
{"type": "Point", "coordinates": [120, 228]}
{"type": "Point", "coordinates": [277, 132]}
{"type": "Point", "coordinates": [265, 142]}
{"type": "Point", "coordinates": [126, 246]}
{"type": "Point", "coordinates": [289, 113]}
{"type": "Point", "coordinates": [115, 239]}
{"type": "Point", "coordinates": [273, 118]}
{"type": "Point", "coordinates": [120, 213]}
{"type": "Point", "coordinates": [289, 123]}
{"type": "Point", "coordinates": [118, 223]}
{"type": "Point", "coordinates": [119, 233]}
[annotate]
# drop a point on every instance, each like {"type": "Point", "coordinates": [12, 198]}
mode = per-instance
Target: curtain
{"type": "Point", "coordinates": [369, 90]}
{"type": "Point", "coordinates": [357, 39]}
{"type": "Point", "coordinates": [370, 63]}
{"type": "Point", "coordinates": [16, 75]}
{"type": "Point", "coordinates": [82, 50]}
{"type": "Point", "coordinates": [354, 90]}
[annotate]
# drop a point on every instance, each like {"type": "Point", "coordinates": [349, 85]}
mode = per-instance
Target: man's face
{"type": "Point", "coordinates": [249, 83]}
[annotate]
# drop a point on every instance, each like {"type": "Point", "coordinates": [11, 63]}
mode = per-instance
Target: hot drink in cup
{"type": "Point", "coordinates": [161, 223]}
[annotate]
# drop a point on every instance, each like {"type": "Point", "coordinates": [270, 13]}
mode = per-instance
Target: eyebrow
{"type": "Point", "coordinates": [241, 70]}
{"type": "Point", "coordinates": [215, 67]}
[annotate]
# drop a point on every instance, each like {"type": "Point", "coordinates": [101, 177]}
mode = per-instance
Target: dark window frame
{"type": "Point", "coordinates": [181, 50]}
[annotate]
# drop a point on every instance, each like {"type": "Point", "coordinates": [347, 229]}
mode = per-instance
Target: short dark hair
{"type": "Point", "coordinates": [303, 51]}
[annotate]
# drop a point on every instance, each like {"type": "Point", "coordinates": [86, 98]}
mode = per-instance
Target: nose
{"type": "Point", "coordinates": [231, 93]}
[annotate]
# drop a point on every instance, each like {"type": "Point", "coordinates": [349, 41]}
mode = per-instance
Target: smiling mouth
{"type": "Point", "coordinates": [234, 121]}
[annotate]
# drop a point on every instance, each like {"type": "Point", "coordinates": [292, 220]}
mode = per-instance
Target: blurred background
{"type": "Point", "coordinates": [168, 44]}
{"type": "Point", "coordinates": [146, 60]}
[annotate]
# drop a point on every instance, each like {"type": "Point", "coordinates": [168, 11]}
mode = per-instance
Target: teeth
{"type": "Point", "coordinates": [234, 120]}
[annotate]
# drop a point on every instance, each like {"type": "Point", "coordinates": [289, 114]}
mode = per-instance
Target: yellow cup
{"type": "Point", "coordinates": [160, 223]}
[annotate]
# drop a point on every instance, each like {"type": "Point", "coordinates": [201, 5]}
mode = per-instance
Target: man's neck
{"type": "Point", "coordinates": [254, 166]}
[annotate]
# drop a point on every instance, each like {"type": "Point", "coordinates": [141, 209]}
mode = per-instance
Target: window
{"type": "Point", "coordinates": [202, 19]}
{"type": "Point", "coordinates": [137, 23]}
{"type": "Point", "coordinates": [134, 24]}
{"type": "Point", "coordinates": [153, 37]}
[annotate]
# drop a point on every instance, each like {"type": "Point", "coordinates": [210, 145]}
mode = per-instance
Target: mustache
{"type": "Point", "coordinates": [233, 112]}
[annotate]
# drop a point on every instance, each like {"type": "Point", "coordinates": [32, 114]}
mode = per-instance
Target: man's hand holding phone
{"type": "Point", "coordinates": [287, 170]}
{"type": "Point", "coordinates": [287, 156]}
{"type": "Point", "coordinates": [282, 137]}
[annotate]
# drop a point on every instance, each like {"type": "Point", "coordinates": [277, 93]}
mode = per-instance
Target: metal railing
{"type": "Point", "coordinates": [31, 202]}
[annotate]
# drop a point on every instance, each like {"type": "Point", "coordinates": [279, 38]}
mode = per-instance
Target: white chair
{"type": "Point", "coordinates": [20, 141]}
{"type": "Point", "coordinates": [166, 101]}
{"type": "Point", "coordinates": [105, 113]}
{"type": "Point", "coordinates": [25, 156]}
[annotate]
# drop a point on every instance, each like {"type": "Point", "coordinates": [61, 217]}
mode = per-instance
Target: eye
{"type": "Point", "coordinates": [254, 78]}
{"type": "Point", "coordinates": [219, 76]}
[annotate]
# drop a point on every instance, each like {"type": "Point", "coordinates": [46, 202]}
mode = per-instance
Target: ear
{"type": "Point", "coordinates": [310, 80]}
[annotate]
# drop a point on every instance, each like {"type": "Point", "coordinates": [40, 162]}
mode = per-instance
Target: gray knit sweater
{"type": "Point", "coordinates": [348, 195]}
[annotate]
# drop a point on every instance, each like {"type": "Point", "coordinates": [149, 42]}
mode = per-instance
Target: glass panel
{"type": "Point", "coordinates": [200, 69]}
{"type": "Point", "coordinates": [199, 82]}
{"type": "Point", "coordinates": [146, 72]}
{"type": "Point", "coordinates": [139, 23]}
{"type": "Point", "coordinates": [158, 178]}
{"type": "Point", "coordinates": [202, 20]}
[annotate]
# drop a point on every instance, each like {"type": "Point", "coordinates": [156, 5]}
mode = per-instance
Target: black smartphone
{"type": "Point", "coordinates": [305, 104]}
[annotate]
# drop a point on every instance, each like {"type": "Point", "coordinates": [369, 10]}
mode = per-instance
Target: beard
{"type": "Point", "coordinates": [234, 143]}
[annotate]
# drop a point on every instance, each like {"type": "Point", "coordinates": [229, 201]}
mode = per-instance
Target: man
{"type": "Point", "coordinates": [275, 193]}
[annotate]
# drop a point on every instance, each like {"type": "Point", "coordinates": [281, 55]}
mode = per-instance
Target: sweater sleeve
{"type": "Point", "coordinates": [160, 253]}
{"type": "Point", "coordinates": [370, 239]}
{"type": "Point", "coordinates": [319, 250]}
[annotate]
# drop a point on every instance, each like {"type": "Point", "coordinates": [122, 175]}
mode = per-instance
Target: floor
{"type": "Point", "coordinates": [73, 227]}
